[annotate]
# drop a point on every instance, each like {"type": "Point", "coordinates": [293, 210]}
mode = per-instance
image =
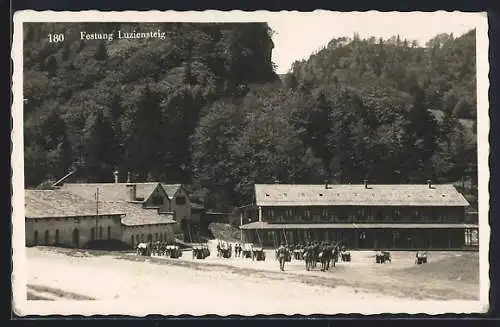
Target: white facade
{"type": "Point", "coordinates": [143, 233]}
{"type": "Point", "coordinates": [72, 231]}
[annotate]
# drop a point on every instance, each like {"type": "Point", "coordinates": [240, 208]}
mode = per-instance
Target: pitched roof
{"type": "Point", "coordinates": [171, 189]}
{"type": "Point", "coordinates": [115, 195]}
{"type": "Point", "coordinates": [265, 225]}
{"type": "Point", "coordinates": [110, 191]}
{"type": "Point", "coordinates": [351, 194]}
{"type": "Point", "coordinates": [136, 215]}
{"type": "Point", "coordinates": [57, 203]}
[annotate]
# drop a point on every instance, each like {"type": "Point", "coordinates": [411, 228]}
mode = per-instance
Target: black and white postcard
{"type": "Point", "coordinates": [245, 163]}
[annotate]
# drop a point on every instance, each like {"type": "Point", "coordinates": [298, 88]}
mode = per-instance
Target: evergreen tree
{"type": "Point", "coordinates": [145, 148]}
{"type": "Point", "coordinates": [101, 150]}
{"type": "Point", "coordinates": [51, 66]}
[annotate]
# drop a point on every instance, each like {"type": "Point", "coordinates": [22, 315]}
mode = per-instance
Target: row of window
{"type": "Point", "coordinates": [138, 238]}
{"type": "Point", "coordinates": [47, 237]}
{"type": "Point", "coordinates": [438, 239]}
{"type": "Point", "coordinates": [359, 213]}
{"type": "Point", "coordinates": [275, 219]}
{"type": "Point", "coordinates": [93, 234]}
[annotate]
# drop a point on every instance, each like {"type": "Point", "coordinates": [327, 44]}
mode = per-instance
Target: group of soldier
{"type": "Point", "coordinates": [225, 249]}
{"type": "Point", "coordinates": [158, 249]}
{"type": "Point", "coordinates": [312, 253]}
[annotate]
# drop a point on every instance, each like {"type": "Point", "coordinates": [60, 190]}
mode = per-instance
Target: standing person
{"type": "Point", "coordinates": [282, 256]}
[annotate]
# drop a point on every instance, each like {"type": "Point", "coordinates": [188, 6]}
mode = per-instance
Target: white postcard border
{"type": "Point", "coordinates": [19, 276]}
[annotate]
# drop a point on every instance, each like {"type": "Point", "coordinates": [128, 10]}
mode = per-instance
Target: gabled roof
{"type": "Point", "coordinates": [110, 191]}
{"type": "Point", "coordinates": [136, 215]}
{"type": "Point", "coordinates": [351, 194]}
{"type": "Point", "coordinates": [57, 203]}
{"type": "Point", "coordinates": [115, 195]}
{"type": "Point", "coordinates": [171, 189]}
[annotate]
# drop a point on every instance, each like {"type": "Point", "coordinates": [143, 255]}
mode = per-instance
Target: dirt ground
{"type": "Point", "coordinates": [62, 274]}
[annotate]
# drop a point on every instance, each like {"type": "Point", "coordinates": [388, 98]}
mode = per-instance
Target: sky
{"type": "Point", "coordinates": [298, 35]}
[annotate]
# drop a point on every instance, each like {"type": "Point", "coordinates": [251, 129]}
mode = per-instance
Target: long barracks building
{"type": "Point", "coordinates": [362, 216]}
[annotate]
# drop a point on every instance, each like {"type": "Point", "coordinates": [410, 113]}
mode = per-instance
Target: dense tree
{"type": "Point", "coordinates": [204, 107]}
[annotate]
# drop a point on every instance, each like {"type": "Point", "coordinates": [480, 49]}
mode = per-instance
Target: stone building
{"type": "Point", "coordinates": [146, 207]}
{"type": "Point", "coordinates": [54, 217]}
{"type": "Point", "coordinates": [362, 216]}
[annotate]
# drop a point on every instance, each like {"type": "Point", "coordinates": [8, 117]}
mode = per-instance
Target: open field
{"type": "Point", "coordinates": [55, 273]}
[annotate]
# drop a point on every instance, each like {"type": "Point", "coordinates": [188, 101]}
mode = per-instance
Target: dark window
{"type": "Point", "coordinates": [76, 237]}
{"type": "Point", "coordinates": [100, 231]}
{"type": "Point", "coordinates": [109, 232]}
{"type": "Point", "coordinates": [157, 200]}
{"type": "Point", "coordinates": [137, 238]}
{"type": "Point", "coordinates": [150, 238]}
{"type": "Point", "coordinates": [161, 237]}
{"type": "Point", "coordinates": [92, 233]}
{"type": "Point", "coordinates": [180, 200]}
{"type": "Point", "coordinates": [57, 236]}
{"type": "Point", "coordinates": [47, 237]}
{"type": "Point", "coordinates": [132, 240]}
{"type": "Point", "coordinates": [142, 237]}
{"type": "Point", "coordinates": [35, 237]}
{"type": "Point", "coordinates": [156, 236]}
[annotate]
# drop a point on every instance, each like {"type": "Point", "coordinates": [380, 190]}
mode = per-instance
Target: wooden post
{"type": "Point", "coordinates": [241, 224]}
{"type": "Point", "coordinates": [97, 213]}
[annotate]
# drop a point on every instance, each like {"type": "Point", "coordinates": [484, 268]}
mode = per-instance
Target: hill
{"type": "Point", "coordinates": [110, 104]}
{"type": "Point", "coordinates": [204, 107]}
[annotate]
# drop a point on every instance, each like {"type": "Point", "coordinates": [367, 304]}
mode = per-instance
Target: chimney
{"type": "Point", "coordinates": [128, 177]}
{"type": "Point", "coordinates": [116, 176]}
{"type": "Point", "coordinates": [132, 188]}
{"type": "Point", "coordinates": [429, 183]}
{"type": "Point", "coordinates": [365, 181]}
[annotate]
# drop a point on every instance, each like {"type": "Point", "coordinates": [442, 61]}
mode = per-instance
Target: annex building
{"type": "Point", "coordinates": [362, 216]}
{"type": "Point", "coordinates": [54, 217]}
{"type": "Point", "coordinates": [74, 214]}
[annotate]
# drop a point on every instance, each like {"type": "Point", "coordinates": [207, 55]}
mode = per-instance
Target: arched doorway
{"type": "Point", "coordinates": [150, 238]}
{"type": "Point", "coordinates": [76, 237]}
{"type": "Point", "coordinates": [109, 234]}
{"type": "Point", "coordinates": [47, 237]}
{"type": "Point", "coordinates": [57, 236]}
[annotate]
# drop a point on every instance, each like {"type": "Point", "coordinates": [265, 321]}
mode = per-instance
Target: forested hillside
{"type": "Point", "coordinates": [204, 107]}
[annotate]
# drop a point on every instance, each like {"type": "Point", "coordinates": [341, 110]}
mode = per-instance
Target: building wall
{"type": "Point", "coordinates": [360, 214]}
{"type": "Point", "coordinates": [62, 230]}
{"type": "Point", "coordinates": [372, 239]}
{"type": "Point", "coordinates": [181, 208]}
{"type": "Point", "coordinates": [157, 232]}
